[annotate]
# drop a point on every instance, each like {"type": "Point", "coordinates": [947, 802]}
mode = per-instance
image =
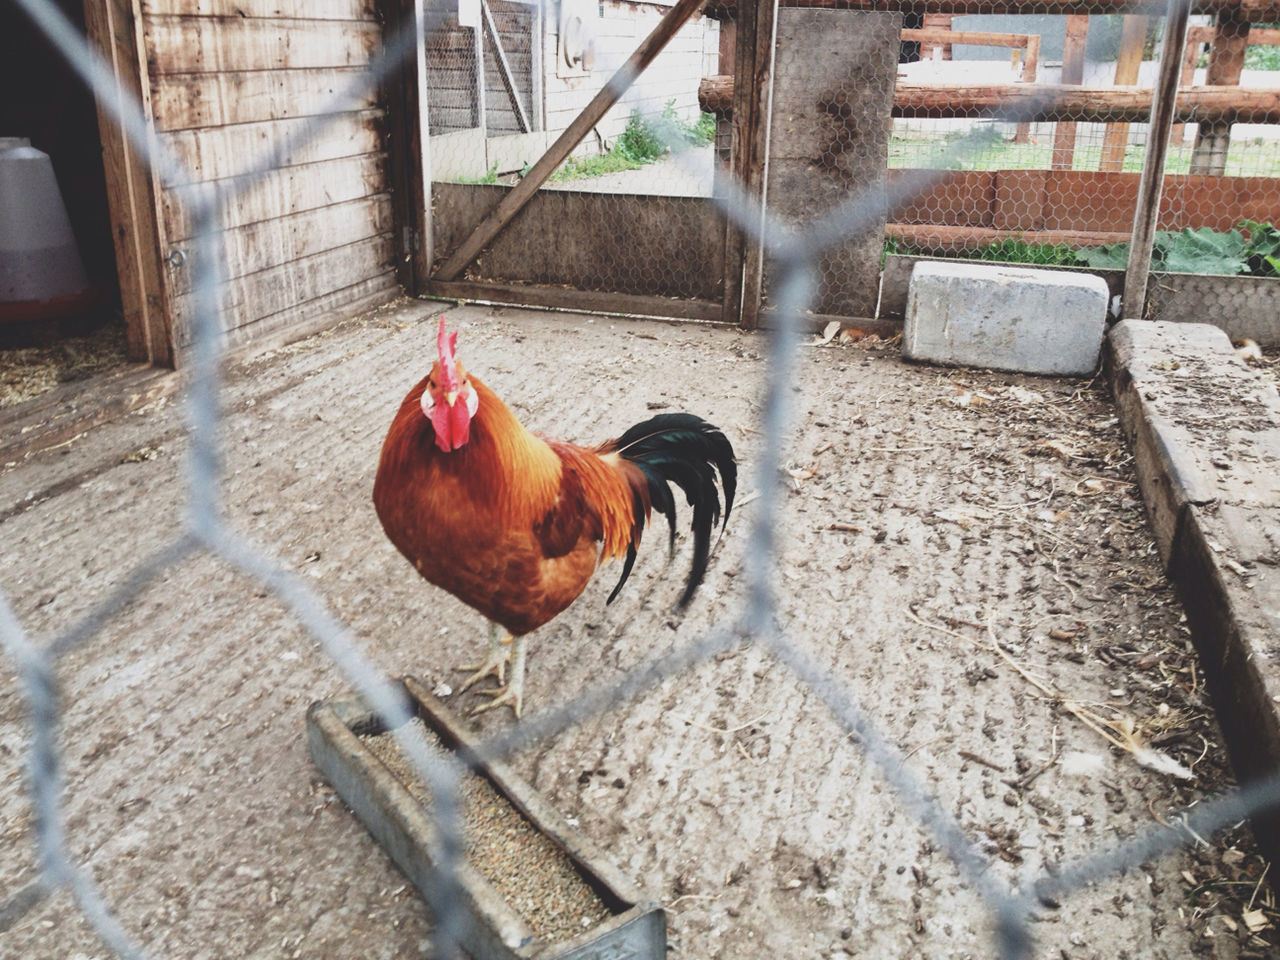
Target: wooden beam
{"type": "Point", "coordinates": [480, 105]}
{"type": "Point", "coordinates": [592, 114]}
{"type": "Point", "coordinates": [527, 295]}
{"type": "Point", "coordinates": [504, 68]}
{"type": "Point", "coordinates": [974, 38]}
{"type": "Point", "coordinates": [406, 128]}
{"type": "Point", "coordinates": [1254, 11]}
{"type": "Point", "coordinates": [1133, 37]}
{"type": "Point", "coordinates": [1064, 133]}
{"type": "Point", "coordinates": [745, 254]}
{"type": "Point", "coordinates": [1147, 211]}
{"type": "Point", "coordinates": [1190, 56]}
{"type": "Point", "coordinates": [1226, 61]}
{"type": "Point", "coordinates": [943, 237]}
{"type": "Point", "coordinates": [1052, 102]}
{"type": "Point", "coordinates": [1030, 64]}
{"type": "Point", "coordinates": [114, 27]}
{"type": "Point", "coordinates": [1088, 104]}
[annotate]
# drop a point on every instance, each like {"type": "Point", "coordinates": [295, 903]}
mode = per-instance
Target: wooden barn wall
{"type": "Point", "coordinates": [313, 238]}
{"type": "Point", "coordinates": [663, 247]}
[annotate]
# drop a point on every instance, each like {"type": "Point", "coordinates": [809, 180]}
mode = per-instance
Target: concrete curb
{"type": "Point", "coordinates": [1205, 432]}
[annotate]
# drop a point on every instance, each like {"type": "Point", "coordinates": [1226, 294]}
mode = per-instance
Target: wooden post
{"type": "Point", "coordinates": [1133, 37]}
{"type": "Point", "coordinates": [481, 107]}
{"type": "Point", "coordinates": [114, 27]}
{"type": "Point", "coordinates": [1226, 60]}
{"type": "Point", "coordinates": [556, 154]}
{"type": "Point", "coordinates": [744, 255]}
{"type": "Point", "coordinates": [1064, 133]}
{"type": "Point", "coordinates": [1190, 55]}
{"type": "Point", "coordinates": [538, 108]}
{"type": "Point", "coordinates": [937, 21]}
{"type": "Point", "coordinates": [1030, 63]}
{"type": "Point", "coordinates": [408, 159]}
{"type": "Point", "coordinates": [1150, 184]}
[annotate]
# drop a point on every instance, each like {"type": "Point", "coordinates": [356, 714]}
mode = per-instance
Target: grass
{"type": "Point", "coordinates": [1256, 158]}
{"type": "Point", "coordinates": [491, 177]}
{"type": "Point", "coordinates": [578, 168]}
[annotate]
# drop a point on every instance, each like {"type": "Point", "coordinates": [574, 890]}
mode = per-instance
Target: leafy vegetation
{"type": "Point", "coordinates": [1262, 58]}
{"type": "Point", "coordinates": [1019, 251]}
{"type": "Point", "coordinates": [576, 168]}
{"type": "Point", "coordinates": [644, 140]}
{"type": "Point", "coordinates": [489, 178]}
{"type": "Point", "coordinates": [1250, 248]}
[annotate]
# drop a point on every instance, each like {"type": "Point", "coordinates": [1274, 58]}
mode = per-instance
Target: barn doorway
{"type": "Point", "coordinates": [46, 103]}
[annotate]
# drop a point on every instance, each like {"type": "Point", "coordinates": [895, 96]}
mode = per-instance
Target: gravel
{"type": "Point", "coordinates": [533, 875]}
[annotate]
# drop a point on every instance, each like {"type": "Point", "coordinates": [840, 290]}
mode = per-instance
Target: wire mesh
{"type": "Point", "coordinates": [804, 271]}
{"type": "Point", "coordinates": [1062, 189]}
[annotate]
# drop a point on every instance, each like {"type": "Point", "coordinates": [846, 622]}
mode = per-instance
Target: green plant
{"type": "Point", "coordinates": [640, 141]}
{"type": "Point", "coordinates": [1019, 251]}
{"type": "Point", "coordinates": [1262, 58]}
{"type": "Point", "coordinates": [491, 177]}
{"type": "Point", "coordinates": [577, 168]}
{"type": "Point", "coordinates": [1251, 248]}
{"type": "Point", "coordinates": [1009, 250]}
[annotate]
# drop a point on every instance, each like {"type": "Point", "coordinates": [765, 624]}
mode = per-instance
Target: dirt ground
{"type": "Point", "coordinates": [928, 513]}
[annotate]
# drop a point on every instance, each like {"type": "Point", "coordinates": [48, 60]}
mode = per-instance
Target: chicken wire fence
{"type": "Point", "coordinates": [798, 253]}
{"type": "Point", "coordinates": [1059, 186]}
{"type": "Point", "coordinates": [1062, 187]}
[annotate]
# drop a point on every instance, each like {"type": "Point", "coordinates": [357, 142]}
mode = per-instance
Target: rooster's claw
{"type": "Point", "coordinates": [502, 697]}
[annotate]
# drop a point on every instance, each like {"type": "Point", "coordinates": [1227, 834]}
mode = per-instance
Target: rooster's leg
{"type": "Point", "coordinates": [495, 664]}
{"type": "Point", "coordinates": [512, 695]}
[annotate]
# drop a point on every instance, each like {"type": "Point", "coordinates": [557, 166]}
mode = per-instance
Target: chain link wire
{"type": "Point", "coordinates": [924, 157]}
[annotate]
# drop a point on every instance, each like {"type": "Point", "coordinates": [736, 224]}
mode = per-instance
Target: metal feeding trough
{"type": "Point", "coordinates": [533, 886]}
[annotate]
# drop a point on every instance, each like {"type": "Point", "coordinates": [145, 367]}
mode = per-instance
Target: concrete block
{"type": "Point", "coordinates": [1005, 318]}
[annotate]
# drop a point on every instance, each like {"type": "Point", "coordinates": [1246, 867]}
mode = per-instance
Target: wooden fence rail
{"type": "Point", "coordinates": [1051, 102]}
{"type": "Point", "coordinates": [1254, 11]}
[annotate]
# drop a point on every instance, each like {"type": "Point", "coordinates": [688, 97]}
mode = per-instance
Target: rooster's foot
{"type": "Point", "coordinates": [512, 695]}
{"type": "Point", "coordinates": [495, 664]}
{"type": "Point", "coordinates": [502, 697]}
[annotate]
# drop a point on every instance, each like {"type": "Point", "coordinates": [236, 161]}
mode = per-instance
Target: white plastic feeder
{"type": "Point", "coordinates": [42, 276]}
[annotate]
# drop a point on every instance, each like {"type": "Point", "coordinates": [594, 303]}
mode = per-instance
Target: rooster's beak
{"type": "Point", "coordinates": [451, 397]}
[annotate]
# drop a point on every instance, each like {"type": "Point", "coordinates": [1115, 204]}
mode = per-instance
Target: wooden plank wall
{"type": "Point", "coordinates": [312, 239]}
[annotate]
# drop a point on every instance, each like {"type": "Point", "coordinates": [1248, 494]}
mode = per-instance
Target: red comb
{"type": "Point", "coordinates": [447, 344]}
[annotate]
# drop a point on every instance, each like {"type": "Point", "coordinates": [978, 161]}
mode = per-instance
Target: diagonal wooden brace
{"type": "Point", "coordinates": [556, 154]}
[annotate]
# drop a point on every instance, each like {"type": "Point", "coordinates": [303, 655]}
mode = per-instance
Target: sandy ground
{"type": "Point", "coordinates": [927, 511]}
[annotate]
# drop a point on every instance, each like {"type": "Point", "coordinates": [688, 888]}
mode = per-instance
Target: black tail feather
{"type": "Point", "coordinates": [688, 451]}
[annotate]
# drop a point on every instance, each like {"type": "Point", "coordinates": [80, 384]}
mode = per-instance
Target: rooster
{"type": "Point", "coordinates": [514, 524]}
